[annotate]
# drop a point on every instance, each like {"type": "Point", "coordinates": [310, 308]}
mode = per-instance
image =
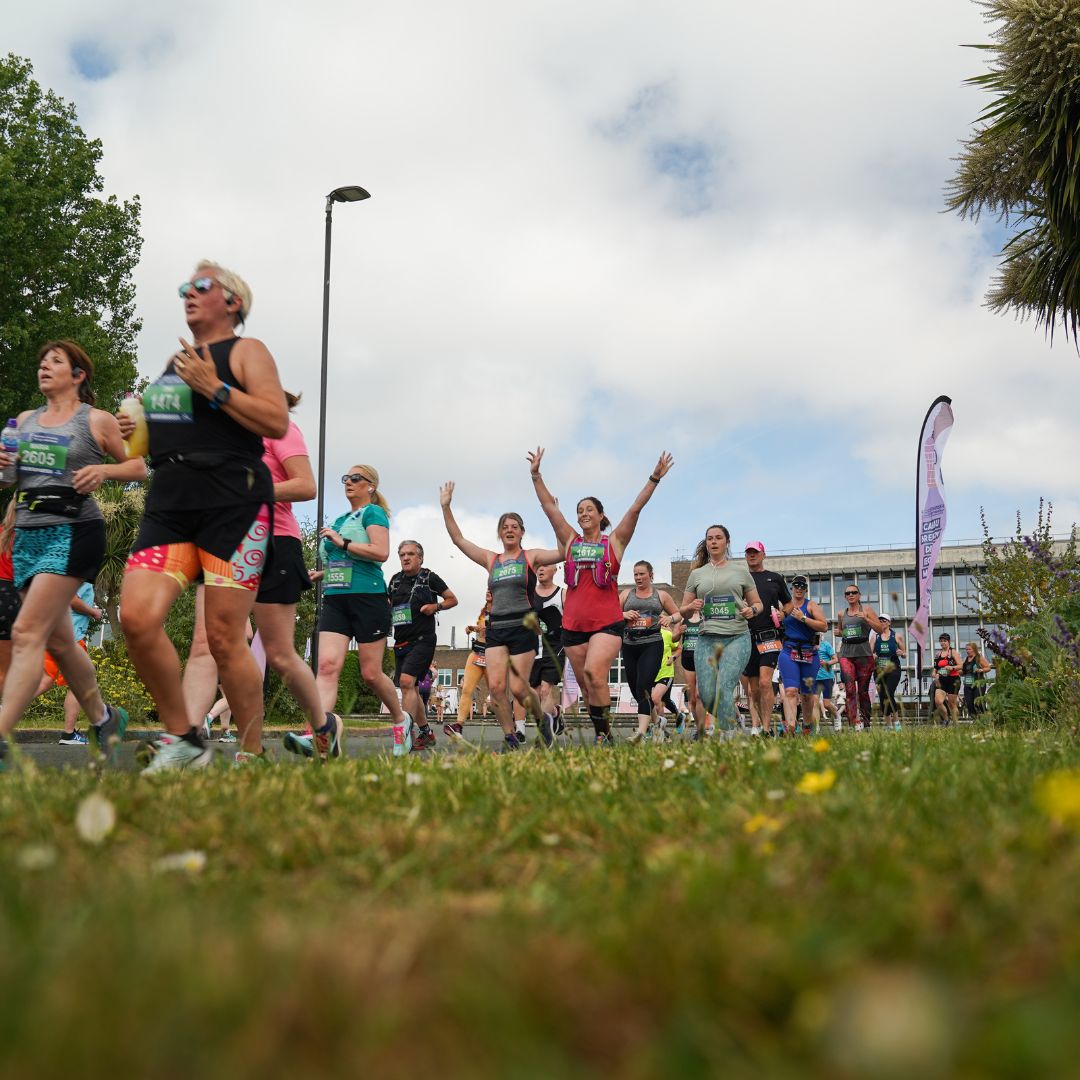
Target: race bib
{"type": "Point", "coordinates": [852, 632]}
{"type": "Point", "coordinates": [690, 635]}
{"type": "Point", "coordinates": [401, 615]}
{"type": "Point", "coordinates": [801, 654]}
{"type": "Point", "coordinates": [507, 572]}
{"type": "Point", "coordinates": [720, 607]}
{"type": "Point", "coordinates": [587, 554]}
{"type": "Point", "coordinates": [969, 680]}
{"type": "Point", "coordinates": [44, 454]}
{"type": "Point", "coordinates": [339, 574]}
{"type": "Point", "coordinates": [168, 401]}
{"type": "Point", "coordinates": [764, 647]}
{"type": "Point", "coordinates": [480, 659]}
{"type": "Point", "coordinates": [884, 665]}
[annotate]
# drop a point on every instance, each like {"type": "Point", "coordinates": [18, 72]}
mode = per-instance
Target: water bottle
{"type": "Point", "coordinates": [138, 442]}
{"type": "Point", "coordinates": [9, 443]}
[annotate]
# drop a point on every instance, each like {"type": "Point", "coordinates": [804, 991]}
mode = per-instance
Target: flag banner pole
{"type": "Point", "coordinates": [930, 519]}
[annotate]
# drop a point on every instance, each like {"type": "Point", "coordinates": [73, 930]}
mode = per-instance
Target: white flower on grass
{"type": "Point", "coordinates": [413, 779]}
{"type": "Point", "coordinates": [371, 778]}
{"type": "Point", "coordinates": [95, 818]}
{"type": "Point", "coordinates": [550, 839]}
{"type": "Point", "coordinates": [187, 862]}
{"type": "Point", "coordinates": [775, 795]}
{"type": "Point", "coordinates": [596, 787]}
{"type": "Point", "coordinates": [669, 763]}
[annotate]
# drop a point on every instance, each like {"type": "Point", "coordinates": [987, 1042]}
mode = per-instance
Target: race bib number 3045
{"type": "Point", "coordinates": [720, 607]}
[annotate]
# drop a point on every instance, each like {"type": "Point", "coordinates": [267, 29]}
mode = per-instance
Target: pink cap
{"type": "Point", "coordinates": [756, 545]}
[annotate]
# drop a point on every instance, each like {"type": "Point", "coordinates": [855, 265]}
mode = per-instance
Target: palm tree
{"type": "Point", "coordinates": [1023, 163]}
{"type": "Point", "coordinates": [122, 507]}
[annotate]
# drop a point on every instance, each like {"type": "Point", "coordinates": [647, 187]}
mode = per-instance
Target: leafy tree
{"type": "Point", "coordinates": [1023, 162]}
{"type": "Point", "coordinates": [68, 254]}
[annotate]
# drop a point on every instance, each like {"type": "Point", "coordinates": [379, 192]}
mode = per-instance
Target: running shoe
{"type": "Point", "coordinates": [179, 752]}
{"type": "Point", "coordinates": [755, 731]}
{"type": "Point", "coordinates": [403, 738]}
{"type": "Point", "coordinates": [227, 736]}
{"type": "Point", "coordinates": [557, 725]}
{"type": "Point", "coordinates": [110, 733]}
{"type": "Point", "coordinates": [207, 724]}
{"type": "Point", "coordinates": [837, 725]}
{"type": "Point", "coordinates": [896, 726]}
{"type": "Point", "coordinates": [510, 745]}
{"type": "Point", "coordinates": [244, 759]}
{"type": "Point", "coordinates": [547, 729]}
{"type": "Point", "coordinates": [329, 744]}
{"type": "Point", "coordinates": [637, 737]}
{"type": "Point", "coordinates": [453, 730]}
{"type": "Point", "coordinates": [680, 723]}
{"type": "Point", "coordinates": [73, 738]}
{"type": "Point", "coordinates": [858, 725]}
{"type": "Point", "coordinates": [604, 739]}
{"type": "Point", "coordinates": [295, 743]}
{"type": "Point", "coordinates": [424, 740]}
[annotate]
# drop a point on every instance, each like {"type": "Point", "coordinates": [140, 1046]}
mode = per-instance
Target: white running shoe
{"type": "Point", "coordinates": [403, 738]}
{"type": "Point", "coordinates": [755, 730]}
{"type": "Point", "coordinates": [176, 752]}
{"type": "Point", "coordinates": [836, 724]}
{"type": "Point", "coordinates": [858, 725]}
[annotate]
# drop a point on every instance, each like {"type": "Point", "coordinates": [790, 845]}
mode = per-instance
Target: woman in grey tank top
{"type": "Point", "coordinates": [643, 607]}
{"type": "Point", "coordinates": [60, 534]}
{"type": "Point", "coordinates": [853, 625]}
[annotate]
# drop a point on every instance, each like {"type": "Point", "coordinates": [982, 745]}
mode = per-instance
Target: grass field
{"type": "Point", "coordinates": [885, 905]}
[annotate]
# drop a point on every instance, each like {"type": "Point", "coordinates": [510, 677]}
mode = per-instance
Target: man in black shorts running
{"type": "Point", "coordinates": [757, 677]}
{"type": "Point", "coordinates": [416, 596]}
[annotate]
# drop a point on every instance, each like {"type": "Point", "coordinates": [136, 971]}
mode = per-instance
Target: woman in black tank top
{"type": "Point", "coordinates": [206, 414]}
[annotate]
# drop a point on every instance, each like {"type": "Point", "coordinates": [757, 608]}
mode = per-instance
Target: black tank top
{"type": "Point", "coordinates": [201, 456]}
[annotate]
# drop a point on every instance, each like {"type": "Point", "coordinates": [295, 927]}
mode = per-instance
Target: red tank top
{"type": "Point", "coordinates": [589, 606]}
{"type": "Point", "coordinates": [7, 571]}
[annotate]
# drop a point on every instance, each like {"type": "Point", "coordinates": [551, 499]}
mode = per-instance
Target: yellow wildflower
{"type": "Point", "coordinates": [814, 783]}
{"type": "Point", "coordinates": [820, 746]}
{"type": "Point", "coordinates": [761, 822]}
{"type": "Point", "coordinates": [1058, 797]}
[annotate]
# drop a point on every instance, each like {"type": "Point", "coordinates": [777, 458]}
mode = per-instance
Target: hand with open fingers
{"type": "Point", "coordinates": [197, 368]}
{"type": "Point", "coordinates": [535, 457]}
{"type": "Point", "coordinates": [446, 493]}
{"type": "Point", "coordinates": [663, 466]}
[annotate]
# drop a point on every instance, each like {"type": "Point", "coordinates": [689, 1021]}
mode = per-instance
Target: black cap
{"type": "Point", "coordinates": [800, 581]}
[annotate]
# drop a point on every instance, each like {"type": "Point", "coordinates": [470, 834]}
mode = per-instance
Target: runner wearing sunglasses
{"type": "Point", "coordinates": [592, 617]}
{"type": "Point", "coordinates": [856, 656]}
{"type": "Point", "coordinates": [798, 662]}
{"type": "Point", "coordinates": [355, 604]}
{"type": "Point", "coordinates": [207, 512]}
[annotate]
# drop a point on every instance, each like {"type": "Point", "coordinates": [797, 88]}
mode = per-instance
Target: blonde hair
{"type": "Point", "coordinates": [377, 496]}
{"type": "Point", "coordinates": [232, 283]}
{"type": "Point", "coordinates": [7, 528]}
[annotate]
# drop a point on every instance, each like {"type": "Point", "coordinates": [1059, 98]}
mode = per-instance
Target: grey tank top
{"type": "Point", "coordinates": [647, 628]}
{"type": "Point", "coordinates": [854, 636]}
{"type": "Point", "coordinates": [49, 457]}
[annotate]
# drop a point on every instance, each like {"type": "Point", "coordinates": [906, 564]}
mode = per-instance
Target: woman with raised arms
{"type": "Point", "coordinates": [592, 615]}
{"type": "Point", "coordinates": [511, 646]}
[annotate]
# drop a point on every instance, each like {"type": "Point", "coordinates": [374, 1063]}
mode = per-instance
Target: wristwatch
{"type": "Point", "coordinates": [220, 396]}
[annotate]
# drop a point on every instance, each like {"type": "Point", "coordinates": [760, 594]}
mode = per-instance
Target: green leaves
{"type": "Point", "coordinates": [1023, 163]}
{"type": "Point", "coordinates": [68, 253]}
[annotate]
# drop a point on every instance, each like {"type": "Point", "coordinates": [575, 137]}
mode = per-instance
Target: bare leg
{"type": "Point", "coordinates": [277, 628]}
{"type": "Point", "coordinates": [766, 696]}
{"type": "Point", "coordinates": [332, 651]}
{"type": "Point", "coordinates": [227, 614]}
{"type": "Point", "coordinates": [498, 661]}
{"type": "Point", "coordinates": [71, 712]}
{"type": "Point", "coordinates": [200, 677]}
{"type": "Point", "coordinates": [371, 657]}
{"type": "Point", "coordinates": [750, 689]}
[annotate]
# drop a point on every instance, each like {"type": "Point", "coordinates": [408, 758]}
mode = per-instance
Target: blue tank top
{"type": "Point", "coordinates": [886, 651]}
{"type": "Point", "coordinates": [797, 632]}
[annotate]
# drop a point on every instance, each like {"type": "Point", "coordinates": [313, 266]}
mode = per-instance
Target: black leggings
{"type": "Point", "coordinates": [973, 699]}
{"type": "Point", "coordinates": [887, 683]}
{"type": "Point", "coordinates": [641, 664]}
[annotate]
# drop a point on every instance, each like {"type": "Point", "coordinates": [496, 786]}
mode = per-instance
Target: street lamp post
{"type": "Point", "coordinates": [350, 193]}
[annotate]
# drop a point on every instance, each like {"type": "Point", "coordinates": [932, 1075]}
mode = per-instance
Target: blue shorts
{"type": "Point", "coordinates": [825, 688]}
{"type": "Point", "coordinates": [798, 674]}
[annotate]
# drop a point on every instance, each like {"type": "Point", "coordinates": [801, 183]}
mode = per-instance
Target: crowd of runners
{"type": "Point", "coordinates": [226, 463]}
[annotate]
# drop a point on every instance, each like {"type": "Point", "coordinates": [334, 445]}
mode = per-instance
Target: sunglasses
{"type": "Point", "coordinates": [851, 592]}
{"type": "Point", "coordinates": [200, 285]}
{"type": "Point", "coordinates": [799, 585]}
{"type": "Point", "coordinates": [355, 478]}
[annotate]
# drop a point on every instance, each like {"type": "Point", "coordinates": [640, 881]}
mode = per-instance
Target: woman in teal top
{"type": "Point", "coordinates": [355, 605]}
{"type": "Point", "coordinates": [726, 596]}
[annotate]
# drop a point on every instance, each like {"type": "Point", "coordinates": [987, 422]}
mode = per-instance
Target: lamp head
{"type": "Point", "coordinates": [349, 193]}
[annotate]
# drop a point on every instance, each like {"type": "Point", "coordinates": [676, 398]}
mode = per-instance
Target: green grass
{"type": "Point", "coordinates": [636, 912]}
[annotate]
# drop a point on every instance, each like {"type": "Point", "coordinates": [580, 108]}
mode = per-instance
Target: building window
{"type": "Point", "coordinates": [942, 601]}
{"type": "Point", "coordinates": [821, 591]}
{"type": "Point", "coordinates": [892, 595]}
{"type": "Point", "coordinates": [615, 675]}
{"type": "Point", "coordinates": [868, 583]}
{"type": "Point", "coordinates": [446, 677]}
{"type": "Point", "coordinates": [460, 674]}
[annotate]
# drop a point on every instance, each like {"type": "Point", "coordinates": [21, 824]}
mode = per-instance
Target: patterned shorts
{"type": "Point", "coordinates": [76, 550]}
{"type": "Point", "coordinates": [184, 562]}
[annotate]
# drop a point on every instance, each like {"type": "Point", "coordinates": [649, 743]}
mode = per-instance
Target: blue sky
{"type": "Point", "coordinates": [707, 228]}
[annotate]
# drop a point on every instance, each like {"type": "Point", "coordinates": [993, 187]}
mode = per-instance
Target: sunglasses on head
{"type": "Point", "coordinates": [355, 478]}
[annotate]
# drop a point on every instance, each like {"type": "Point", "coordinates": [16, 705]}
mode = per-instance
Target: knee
{"type": "Point", "coordinates": [329, 668]}
{"type": "Point", "coordinates": [139, 623]}
{"type": "Point", "coordinates": [370, 670]}
{"type": "Point", "coordinates": [280, 658]}
{"type": "Point", "coordinates": [407, 682]}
